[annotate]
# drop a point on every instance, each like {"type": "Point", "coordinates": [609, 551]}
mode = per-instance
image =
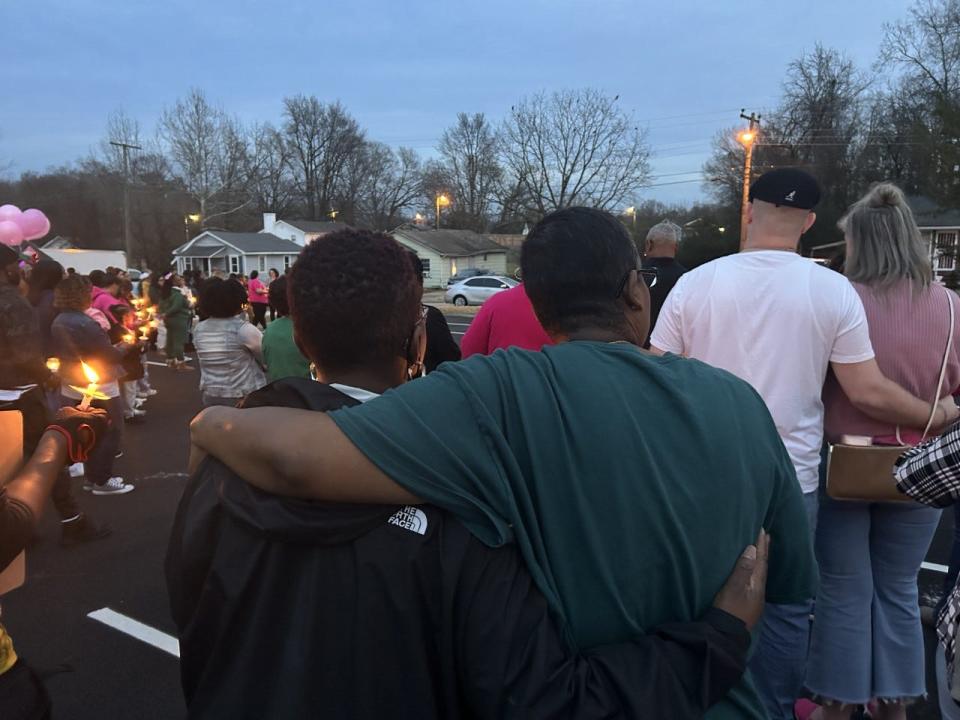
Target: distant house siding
{"type": "Point", "coordinates": [288, 232]}
{"type": "Point", "coordinates": [494, 262]}
{"type": "Point", "coordinates": [439, 266]}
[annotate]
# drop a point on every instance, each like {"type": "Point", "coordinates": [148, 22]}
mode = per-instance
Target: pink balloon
{"type": "Point", "coordinates": [9, 212]}
{"type": "Point", "coordinates": [10, 233]}
{"type": "Point", "coordinates": [33, 223]}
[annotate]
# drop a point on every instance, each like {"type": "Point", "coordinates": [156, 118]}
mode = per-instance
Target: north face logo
{"type": "Point", "coordinates": [791, 196]}
{"type": "Point", "coordinates": [410, 518]}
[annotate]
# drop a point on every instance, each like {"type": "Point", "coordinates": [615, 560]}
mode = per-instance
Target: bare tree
{"type": "Point", "coordinates": [270, 171]}
{"type": "Point", "coordinates": [210, 152]}
{"type": "Point", "coordinates": [470, 152]}
{"type": "Point", "coordinates": [927, 46]}
{"type": "Point", "coordinates": [395, 179]}
{"type": "Point", "coordinates": [574, 148]}
{"type": "Point", "coordinates": [320, 140]}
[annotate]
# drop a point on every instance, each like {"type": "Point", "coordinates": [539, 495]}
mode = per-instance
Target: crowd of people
{"type": "Point", "coordinates": [627, 474]}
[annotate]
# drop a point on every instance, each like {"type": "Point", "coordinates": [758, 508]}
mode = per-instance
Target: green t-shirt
{"type": "Point", "coordinates": [630, 483]}
{"type": "Point", "coordinates": [280, 353]}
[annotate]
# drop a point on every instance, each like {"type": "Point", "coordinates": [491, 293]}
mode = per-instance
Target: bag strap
{"type": "Point", "coordinates": [943, 370]}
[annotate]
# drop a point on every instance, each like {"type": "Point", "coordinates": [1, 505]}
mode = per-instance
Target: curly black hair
{"type": "Point", "coordinates": [354, 299]}
{"type": "Point", "coordinates": [278, 296]}
{"type": "Point", "coordinates": [219, 298]}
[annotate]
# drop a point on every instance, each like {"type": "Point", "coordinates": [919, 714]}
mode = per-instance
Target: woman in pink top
{"type": "Point", "coordinates": [867, 642]}
{"type": "Point", "coordinates": [259, 298]}
{"type": "Point", "coordinates": [505, 320]}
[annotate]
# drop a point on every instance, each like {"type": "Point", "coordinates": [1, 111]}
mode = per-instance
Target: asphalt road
{"type": "Point", "coordinates": [97, 671]}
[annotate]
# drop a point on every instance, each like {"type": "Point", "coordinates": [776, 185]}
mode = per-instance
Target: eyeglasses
{"type": "Point", "coordinates": [420, 321]}
{"type": "Point", "coordinates": [649, 276]}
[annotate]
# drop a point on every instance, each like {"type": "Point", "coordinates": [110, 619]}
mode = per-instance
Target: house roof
{"type": "Point", "coordinates": [316, 226]}
{"type": "Point", "coordinates": [930, 215]}
{"type": "Point", "coordinates": [246, 243]}
{"type": "Point", "coordinates": [452, 243]}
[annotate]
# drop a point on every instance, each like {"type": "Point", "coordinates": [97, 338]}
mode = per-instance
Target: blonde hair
{"type": "Point", "coordinates": [883, 240]}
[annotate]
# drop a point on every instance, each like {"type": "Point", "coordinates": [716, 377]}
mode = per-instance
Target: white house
{"type": "Point", "coordinates": [941, 230]}
{"type": "Point", "coordinates": [299, 231]}
{"type": "Point", "coordinates": [446, 252]}
{"type": "Point", "coordinates": [232, 252]}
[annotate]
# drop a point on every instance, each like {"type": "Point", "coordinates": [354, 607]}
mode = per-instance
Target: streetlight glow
{"type": "Point", "coordinates": [747, 137]}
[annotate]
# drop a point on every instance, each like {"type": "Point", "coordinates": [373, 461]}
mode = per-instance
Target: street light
{"type": "Point", "coordinates": [632, 212]}
{"type": "Point", "coordinates": [442, 201]}
{"type": "Point", "coordinates": [333, 214]}
{"type": "Point", "coordinates": [187, 219]}
{"type": "Point", "coordinates": [747, 138]}
{"type": "Point", "coordinates": [721, 230]}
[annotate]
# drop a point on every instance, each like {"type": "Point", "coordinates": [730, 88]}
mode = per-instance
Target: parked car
{"type": "Point", "coordinates": [464, 274]}
{"type": "Point", "coordinates": [477, 290]}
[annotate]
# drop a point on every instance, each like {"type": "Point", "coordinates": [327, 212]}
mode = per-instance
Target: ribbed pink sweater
{"type": "Point", "coordinates": [909, 334]}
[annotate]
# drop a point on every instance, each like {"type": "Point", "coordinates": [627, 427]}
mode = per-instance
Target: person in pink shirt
{"type": "Point", "coordinates": [505, 320]}
{"type": "Point", "coordinates": [259, 298]}
{"type": "Point", "coordinates": [106, 288]}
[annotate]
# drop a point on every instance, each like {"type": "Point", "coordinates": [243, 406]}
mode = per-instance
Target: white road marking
{"type": "Point", "coordinates": [457, 333]}
{"type": "Point", "coordinates": [138, 630]}
{"type": "Point", "coordinates": [160, 364]}
{"type": "Point", "coordinates": [459, 324]}
{"type": "Point", "coordinates": [935, 567]}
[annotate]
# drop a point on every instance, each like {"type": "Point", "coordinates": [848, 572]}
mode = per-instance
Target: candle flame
{"type": "Point", "coordinates": [53, 364]}
{"type": "Point", "coordinates": [91, 374]}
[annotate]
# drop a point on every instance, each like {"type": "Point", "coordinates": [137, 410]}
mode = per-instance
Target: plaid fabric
{"type": "Point", "coordinates": [947, 634]}
{"type": "Point", "coordinates": [930, 473]}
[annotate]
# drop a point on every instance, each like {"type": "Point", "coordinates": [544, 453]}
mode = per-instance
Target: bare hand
{"type": "Point", "coordinates": [743, 594]}
{"type": "Point", "coordinates": [951, 413]}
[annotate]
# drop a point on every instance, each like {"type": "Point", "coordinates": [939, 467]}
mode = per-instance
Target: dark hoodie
{"type": "Point", "coordinates": [293, 609]}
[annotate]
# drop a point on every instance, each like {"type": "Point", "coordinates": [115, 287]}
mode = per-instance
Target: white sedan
{"type": "Point", "coordinates": [477, 290]}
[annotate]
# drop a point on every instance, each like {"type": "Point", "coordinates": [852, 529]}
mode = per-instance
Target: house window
{"type": "Point", "coordinates": [426, 266]}
{"type": "Point", "coordinates": [946, 250]}
{"type": "Point", "coordinates": [234, 264]}
{"type": "Point", "coordinates": [263, 263]}
{"type": "Point", "coordinates": [286, 262]}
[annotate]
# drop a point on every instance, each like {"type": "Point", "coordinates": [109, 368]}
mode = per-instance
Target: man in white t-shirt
{"type": "Point", "coordinates": [779, 321]}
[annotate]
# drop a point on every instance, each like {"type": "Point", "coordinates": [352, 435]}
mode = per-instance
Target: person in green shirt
{"type": "Point", "coordinates": [176, 312]}
{"type": "Point", "coordinates": [628, 482]}
{"type": "Point", "coordinates": [280, 351]}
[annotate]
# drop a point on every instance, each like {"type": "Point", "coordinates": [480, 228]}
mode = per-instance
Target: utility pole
{"type": "Point", "coordinates": [747, 139]}
{"type": "Point", "coordinates": [125, 148]}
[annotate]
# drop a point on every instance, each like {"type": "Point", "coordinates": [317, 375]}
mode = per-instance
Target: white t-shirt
{"type": "Point", "coordinates": [776, 320]}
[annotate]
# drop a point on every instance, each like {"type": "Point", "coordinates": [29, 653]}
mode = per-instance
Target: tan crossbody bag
{"type": "Point", "coordinates": [865, 472]}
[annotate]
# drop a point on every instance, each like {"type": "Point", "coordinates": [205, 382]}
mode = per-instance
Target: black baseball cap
{"type": "Point", "coordinates": [787, 187]}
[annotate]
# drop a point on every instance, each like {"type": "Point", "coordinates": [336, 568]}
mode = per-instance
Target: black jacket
{"type": "Point", "coordinates": [668, 272]}
{"type": "Point", "coordinates": [441, 347]}
{"type": "Point", "coordinates": [297, 609]}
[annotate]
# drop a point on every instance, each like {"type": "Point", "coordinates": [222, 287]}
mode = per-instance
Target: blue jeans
{"type": "Point", "coordinates": [778, 665]}
{"type": "Point", "coordinates": [867, 641]}
{"type": "Point", "coordinates": [99, 467]}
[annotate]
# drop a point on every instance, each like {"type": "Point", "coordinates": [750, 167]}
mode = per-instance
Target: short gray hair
{"type": "Point", "coordinates": [883, 241]}
{"type": "Point", "coordinates": [665, 231]}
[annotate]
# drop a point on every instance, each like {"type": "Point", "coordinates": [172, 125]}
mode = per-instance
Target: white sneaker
{"type": "Point", "coordinates": [76, 470]}
{"type": "Point", "coordinates": [113, 486]}
{"type": "Point", "coordinates": [88, 486]}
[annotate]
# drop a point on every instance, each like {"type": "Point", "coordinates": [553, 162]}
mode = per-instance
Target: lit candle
{"type": "Point", "coordinates": [129, 338]}
{"type": "Point", "coordinates": [53, 364]}
{"type": "Point", "coordinates": [91, 390]}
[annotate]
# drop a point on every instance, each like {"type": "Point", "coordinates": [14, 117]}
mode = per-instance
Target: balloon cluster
{"type": "Point", "coordinates": [17, 226]}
